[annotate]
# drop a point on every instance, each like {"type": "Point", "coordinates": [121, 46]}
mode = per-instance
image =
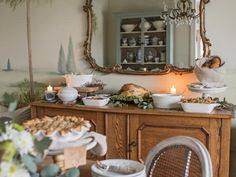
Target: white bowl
{"type": "Point", "coordinates": [89, 101]}
{"type": "Point", "coordinates": [122, 163]}
{"type": "Point", "coordinates": [166, 100]}
{"type": "Point", "coordinates": [128, 27]}
{"type": "Point", "coordinates": [199, 107]}
{"type": "Point", "coordinates": [159, 24]}
{"type": "Point", "coordinates": [73, 80]}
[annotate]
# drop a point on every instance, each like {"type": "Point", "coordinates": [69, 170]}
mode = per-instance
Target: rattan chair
{"type": "Point", "coordinates": [179, 156]}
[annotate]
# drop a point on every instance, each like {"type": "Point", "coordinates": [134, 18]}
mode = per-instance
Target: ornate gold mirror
{"type": "Point", "coordinates": [131, 37]}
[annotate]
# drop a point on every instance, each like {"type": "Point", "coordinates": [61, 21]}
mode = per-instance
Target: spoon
{"type": "Point", "coordinates": [125, 170]}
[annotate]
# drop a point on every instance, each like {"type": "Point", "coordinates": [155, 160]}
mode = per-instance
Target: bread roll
{"type": "Point", "coordinates": [213, 62]}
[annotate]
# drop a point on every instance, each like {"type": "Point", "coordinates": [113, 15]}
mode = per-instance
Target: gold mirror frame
{"type": "Point", "coordinates": [118, 68]}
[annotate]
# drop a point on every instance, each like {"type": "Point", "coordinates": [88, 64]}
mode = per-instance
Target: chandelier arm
{"type": "Point", "coordinates": [182, 14]}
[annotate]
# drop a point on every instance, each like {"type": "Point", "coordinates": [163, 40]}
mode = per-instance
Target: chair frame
{"type": "Point", "coordinates": [190, 142]}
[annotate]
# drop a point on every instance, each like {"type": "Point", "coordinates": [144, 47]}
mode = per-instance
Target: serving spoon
{"type": "Point", "coordinates": [125, 170]}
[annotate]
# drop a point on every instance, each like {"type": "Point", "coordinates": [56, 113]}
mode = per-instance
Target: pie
{"type": "Point", "coordinates": [61, 124]}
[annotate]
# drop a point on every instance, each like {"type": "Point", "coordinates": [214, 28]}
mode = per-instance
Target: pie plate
{"type": "Point", "coordinates": [68, 137]}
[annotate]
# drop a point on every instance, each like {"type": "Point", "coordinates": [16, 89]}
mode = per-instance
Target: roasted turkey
{"type": "Point", "coordinates": [131, 89]}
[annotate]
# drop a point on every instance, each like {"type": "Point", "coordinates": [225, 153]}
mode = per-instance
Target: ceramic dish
{"type": "Point", "coordinates": [95, 101]}
{"type": "Point", "coordinates": [207, 89]}
{"type": "Point", "coordinates": [58, 147]}
{"type": "Point", "coordinates": [74, 80]}
{"type": "Point", "coordinates": [166, 101]}
{"type": "Point", "coordinates": [128, 27]}
{"type": "Point", "coordinates": [121, 163]}
{"type": "Point", "coordinates": [159, 24]}
{"type": "Point", "coordinates": [199, 107]}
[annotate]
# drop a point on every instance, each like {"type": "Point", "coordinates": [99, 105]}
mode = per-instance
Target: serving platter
{"type": "Point", "coordinates": [198, 88]}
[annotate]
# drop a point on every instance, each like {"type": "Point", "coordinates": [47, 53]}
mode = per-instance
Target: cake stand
{"type": "Point", "coordinates": [206, 91]}
{"type": "Point", "coordinates": [58, 154]}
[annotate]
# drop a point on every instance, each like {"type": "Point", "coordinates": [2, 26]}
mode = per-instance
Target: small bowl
{"type": "Point", "coordinates": [166, 101]}
{"type": "Point", "coordinates": [95, 101]}
{"type": "Point", "coordinates": [128, 27]}
{"type": "Point", "coordinates": [199, 107]}
{"type": "Point", "coordinates": [159, 25]}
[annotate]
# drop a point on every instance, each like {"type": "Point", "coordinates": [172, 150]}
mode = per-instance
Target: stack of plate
{"type": "Point", "coordinates": [146, 40]}
{"type": "Point", "coordinates": [140, 170]}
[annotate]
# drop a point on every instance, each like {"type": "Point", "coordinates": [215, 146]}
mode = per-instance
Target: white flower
{"type": "Point", "coordinates": [9, 134]}
{"type": "Point", "coordinates": [11, 169]}
{"type": "Point", "coordinates": [22, 139]}
{"type": "Point", "coordinates": [23, 142]}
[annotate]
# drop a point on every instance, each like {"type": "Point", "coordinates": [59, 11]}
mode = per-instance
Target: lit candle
{"type": "Point", "coordinates": [144, 69]}
{"type": "Point", "coordinates": [173, 90]}
{"type": "Point", "coordinates": [49, 88]}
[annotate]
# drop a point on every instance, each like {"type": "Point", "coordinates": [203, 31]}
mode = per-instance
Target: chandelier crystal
{"type": "Point", "coordinates": [183, 13]}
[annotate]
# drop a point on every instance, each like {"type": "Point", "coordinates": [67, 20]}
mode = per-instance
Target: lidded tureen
{"type": "Point", "coordinates": [68, 94]}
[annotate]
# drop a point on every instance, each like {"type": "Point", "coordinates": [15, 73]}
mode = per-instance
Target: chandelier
{"type": "Point", "coordinates": [183, 13]}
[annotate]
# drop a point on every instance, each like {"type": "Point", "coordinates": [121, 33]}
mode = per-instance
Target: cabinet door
{"type": "Point", "coordinates": [117, 126]}
{"type": "Point", "coordinates": [96, 119]}
{"type": "Point", "coordinates": [148, 130]}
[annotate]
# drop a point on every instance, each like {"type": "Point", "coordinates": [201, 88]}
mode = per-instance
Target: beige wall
{"type": "Point", "coordinates": [53, 24]}
{"type": "Point", "coordinates": [64, 18]}
{"type": "Point", "coordinates": [221, 30]}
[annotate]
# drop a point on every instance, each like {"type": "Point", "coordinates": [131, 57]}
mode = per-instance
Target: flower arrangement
{"type": "Point", "coordinates": [20, 153]}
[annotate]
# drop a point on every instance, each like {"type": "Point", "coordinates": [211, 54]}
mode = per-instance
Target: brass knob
{"type": "Point", "coordinates": [132, 146]}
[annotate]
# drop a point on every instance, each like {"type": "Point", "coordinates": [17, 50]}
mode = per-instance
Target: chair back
{"type": "Point", "coordinates": [179, 156]}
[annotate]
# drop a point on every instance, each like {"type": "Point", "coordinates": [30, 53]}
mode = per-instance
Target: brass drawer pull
{"type": "Point", "coordinates": [132, 145]}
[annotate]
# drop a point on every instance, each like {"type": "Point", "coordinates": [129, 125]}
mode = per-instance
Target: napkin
{"type": "Point", "coordinates": [94, 142]}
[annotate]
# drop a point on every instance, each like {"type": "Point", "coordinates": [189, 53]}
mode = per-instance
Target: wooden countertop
{"type": "Point", "coordinates": [136, 110]}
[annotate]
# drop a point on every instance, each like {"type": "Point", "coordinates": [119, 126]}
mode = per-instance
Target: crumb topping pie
{"type": "Point", "coordinates": [60, 124]}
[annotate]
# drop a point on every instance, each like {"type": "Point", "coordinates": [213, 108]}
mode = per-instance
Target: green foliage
{"type": "Point", "coordinates": [2, 128]}
{"type": "Point", "coordinates": [123, 101]}
{"type": "Point", "coordinates": [224, 105]}
{"type": "Point", "coordinates": [43, 144]}
{"type": "Point", "coordinates": [9, 98]}
{"type": "Point", "coordinates": [29, 163]}
{"type": "Point", "coordinates": [124, 98]}
{"type": "Point", "coordinates": [18, 127]}
{"type": "Point", "coordinates": [51, 170]}
{"type": "Point", "coordinates": [34, 175]}
{"type": "Point", "coordinates": [23, 94]}
{"type": "Point", "coordinates": [73, 172]}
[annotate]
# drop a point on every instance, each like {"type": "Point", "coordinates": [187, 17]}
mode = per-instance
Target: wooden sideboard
{"type": "Point", "coordinates": [131, 132]}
